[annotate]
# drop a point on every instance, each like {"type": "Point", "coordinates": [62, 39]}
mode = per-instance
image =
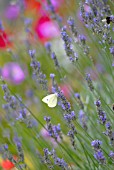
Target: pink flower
{"type": "Point", "coordinates": [65, 89]}
{"type": "Point", "coordinates": [12, 12]}
{"type": "Point", "coordinates": [46, 29]}
{"type": "Point", "coordinates": [13, 73]}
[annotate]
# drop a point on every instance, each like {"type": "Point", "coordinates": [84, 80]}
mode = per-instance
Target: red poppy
{"type": "Point", "coordinates": [7, 165]}
{"type": "Point", "coordinates": [4, 41]}
{"type": "Point", "coordinates": [46, 29]}
{"type": "Point", "coordinates": [32, 4]}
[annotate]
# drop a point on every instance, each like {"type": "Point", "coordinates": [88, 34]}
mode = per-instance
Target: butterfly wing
{"type": "Point", "coordinates": [52, 101]}
{"type": "Point", "coordinates": [47, 98]}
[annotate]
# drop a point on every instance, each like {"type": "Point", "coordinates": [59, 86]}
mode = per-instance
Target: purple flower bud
{"type": "Point", "coordinates": [112, 50]}
{"type": "Point", "coordinates": [30, 93]}
{"type": "Point", "coordinates": [48, 47]}
{"type": "Point", "coordinates": [96, 143]}
{"type": "Point", "coordinates": [27, 21]}
{"type": "Point", "coordinates": [32, 52]}
{"type": "Point", "coordinates": [58, 127]}
{"type": "Point", "coordinates": [46, 151]}
{"type": "Point", "coordinates": [111, 154]}
{"type": "Point", "coordinates": [52, 75]}
{"type": "Point", "coordinates": [53, 55]}
{"type": "Point", "coordinates": [108, 125]}
{"type": "Point", "coordinates": [53, 89]}
{"type": "Point", "coordinates": [70, 21]}
{"type": "Point", "coordinates": [100, 157]}
{"type": "Point", "coordinates": [5, 146]}
{"type": "Point", "coordinates": [4, 87]}
{"type": "Point", "coordinates": [77, 95]}
{"type": "Point", "coordinates": [1, 26]}
{"type": "Point", "coordinates": [73, 114]}
{"type": "Point", "coordinates": [47, 119]}
{"type": "Point", "coordinates": [98, 103]}
{"type": "Point", "coordinates": [64, 28]}
{"type": "Point", "coordinates": [82, 38]}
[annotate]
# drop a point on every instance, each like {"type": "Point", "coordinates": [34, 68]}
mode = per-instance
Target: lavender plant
{"type": "Point", "coordinates": [78, 133]}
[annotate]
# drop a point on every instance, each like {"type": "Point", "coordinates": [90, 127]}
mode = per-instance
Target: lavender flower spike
{"type": "Point", "coordinates": [98, 151]}
{"type": "Point", "coordinates": [89, 81]}
{"type": "Point", "coordinates": [39, 77]}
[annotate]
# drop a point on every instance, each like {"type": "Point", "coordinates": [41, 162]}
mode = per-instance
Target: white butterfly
{"type": "Point", "coordinates": [50, 100]}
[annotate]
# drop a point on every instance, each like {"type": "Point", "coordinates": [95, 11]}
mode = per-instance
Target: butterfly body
{"type": "Point", "coordinates": [50, 100]}
{"type": "Point", "coordinates": [108, 20]}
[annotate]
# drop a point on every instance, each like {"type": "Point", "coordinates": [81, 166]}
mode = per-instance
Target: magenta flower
{"type": "Point", "coordinates": [46, 29]}
{"type": "Point", "coordinates": [13, 73]}
{"type": "Point", "coordinates": [56, 3]}
{"type": "Point", "coordinates": [12, 12]}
